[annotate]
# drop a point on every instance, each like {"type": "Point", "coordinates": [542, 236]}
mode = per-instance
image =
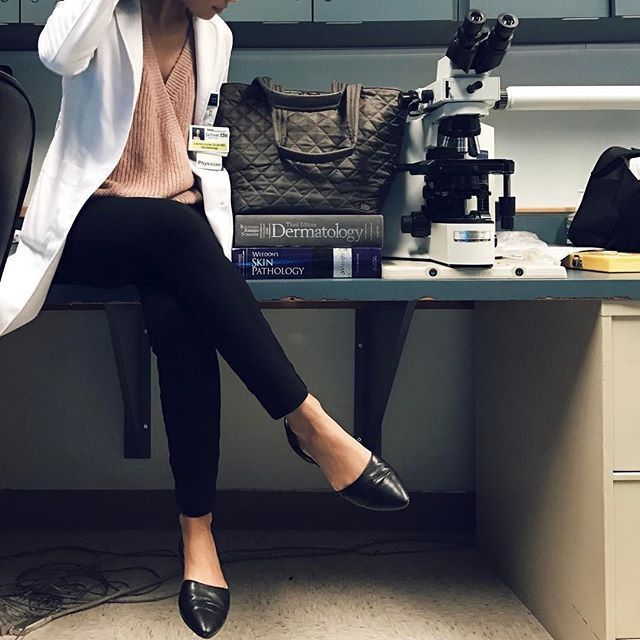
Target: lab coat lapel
{"type": "Point", "coordinates": [205, 37]}
{"type": "Point", "coordinates": [215, 185]}
{"type": "Point", "coordinates": [129, 17]}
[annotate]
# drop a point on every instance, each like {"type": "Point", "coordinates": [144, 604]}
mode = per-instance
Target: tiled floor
{"type": "Point", "coordinates": [450, 594]}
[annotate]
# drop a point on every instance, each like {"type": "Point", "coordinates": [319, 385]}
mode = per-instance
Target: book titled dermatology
{"type": "Point", "coordinates": [296, 263]}
{"type": "Point", "coordinates": [330, 230]}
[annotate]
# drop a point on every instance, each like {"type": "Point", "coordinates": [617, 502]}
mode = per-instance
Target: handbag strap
{"type": "Point", "coordinates": [352, 93]}
{"type": "Point", "coordinates": [612, 154]}
{"type": "Point", "coordinates": [292, 100]}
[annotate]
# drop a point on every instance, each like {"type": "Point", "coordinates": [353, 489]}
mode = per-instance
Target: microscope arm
{"type": "Point", "coordinates": [585, 98]}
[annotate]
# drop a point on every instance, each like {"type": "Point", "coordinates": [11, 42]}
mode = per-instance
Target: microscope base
{"type": "Point", "coordinates": [463, 244]}
{"type": "Point", "coordinates": [504, 268]}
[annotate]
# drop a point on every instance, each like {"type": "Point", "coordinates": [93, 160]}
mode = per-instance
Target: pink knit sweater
{"type": "Point", "coordinates": [155, 161]}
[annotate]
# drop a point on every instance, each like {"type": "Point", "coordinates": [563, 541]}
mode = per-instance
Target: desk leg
{"type": "Point", "coordinates": [133, 361]}
{"type": "Point", "coordinates": [381, 330]}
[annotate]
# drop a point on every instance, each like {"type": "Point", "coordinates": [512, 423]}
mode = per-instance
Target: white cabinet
{"type": "Point", "coordinates": [9, 11]}
{"type": "Point", "coordinates": [268, 11]}
{"type": "Point", "coordinates": [542, 8]}
{"type": "Point", "coordinates": [558, 460]}
{"type": "Point", "coordinates": [35, 11]}
{"type": "Point", "coordinates": [627, 554]}
{"type": "Point", "coordinates": [626, 377]}
{"type": "Point", "coordinates": [384, 10]}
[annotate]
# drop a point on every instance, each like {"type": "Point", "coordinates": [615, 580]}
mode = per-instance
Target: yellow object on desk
{"type": "Point", "coordinates": [607, 261]}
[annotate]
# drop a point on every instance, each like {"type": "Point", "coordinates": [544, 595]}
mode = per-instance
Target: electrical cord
{"type": "Point", "coordinates": [50, 591]}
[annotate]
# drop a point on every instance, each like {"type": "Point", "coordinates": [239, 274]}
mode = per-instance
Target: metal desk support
{"type": "Point", "coordinates": [133, 362]}
{"type": "Point", "coordinates": [381, 331]}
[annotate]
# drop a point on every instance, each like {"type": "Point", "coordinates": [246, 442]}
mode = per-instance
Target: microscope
{"type": "Point", "coordinates": [453, 235]}
{"type": "Point", "coordinates": [458, 218]}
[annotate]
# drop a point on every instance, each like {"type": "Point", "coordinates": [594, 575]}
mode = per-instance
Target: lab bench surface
{"type": "Point", "coordinates": [578, 284]}
{"type": "Point", "coordinates": [556, 366]}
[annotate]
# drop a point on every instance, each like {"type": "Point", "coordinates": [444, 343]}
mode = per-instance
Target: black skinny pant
{"type": "Point", "coordinates": [195, 301]}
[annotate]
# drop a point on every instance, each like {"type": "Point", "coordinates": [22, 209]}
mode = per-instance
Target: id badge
{"type": "Point", "coordinates": [209, 139]}
{"type": "Point", "coordinates": [209, 161]}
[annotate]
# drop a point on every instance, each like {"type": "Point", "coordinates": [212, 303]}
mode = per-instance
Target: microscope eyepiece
{"type": "Point", "coordinates": [504, 28]}
{"type": "Point", "coordinates": [507, 20]}
{"type": "Point", "coordinates": [494, 48]}
{"type": "Point", "coordinates": [474, 20]}
{"type": "Point", "coordinates": [470, 34]}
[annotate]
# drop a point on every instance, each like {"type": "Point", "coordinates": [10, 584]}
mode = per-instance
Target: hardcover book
{"type": "Point", "coordinates": [341, 230]}
{"type": "Point", "coordinates": [295, 263]}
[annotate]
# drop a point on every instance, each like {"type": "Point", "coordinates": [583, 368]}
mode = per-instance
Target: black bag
{"type": "Point", "coordinates": [609, 214]}
{"type": "Point", "coordinates": [309, 151]}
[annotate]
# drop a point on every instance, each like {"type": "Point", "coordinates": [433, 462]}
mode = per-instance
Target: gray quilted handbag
{"type": "Point", "coordinates": [308, 151]}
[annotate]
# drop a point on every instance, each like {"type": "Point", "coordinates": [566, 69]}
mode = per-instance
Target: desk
{"type": "Point", "coordinates": [384, 309]}
{"type": "Point", "coordinates": [557, 454]}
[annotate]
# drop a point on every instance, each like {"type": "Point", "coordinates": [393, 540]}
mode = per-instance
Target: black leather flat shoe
{"type": "Point", "coordinates": [378, 487]}
{"type": "Point", "coordinates": [203, 607]}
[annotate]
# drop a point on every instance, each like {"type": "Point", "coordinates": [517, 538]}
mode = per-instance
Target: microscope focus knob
{"type": "Point", "coordinates": [427, 96]}
{"type": "Point", "coordinates": [407, 98]}
{"type": "Point", "coordinates": [406, 224]}
{"type": "Point", "coordinates": [417, 224]}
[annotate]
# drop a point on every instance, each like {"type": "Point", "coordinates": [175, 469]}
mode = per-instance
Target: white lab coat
{"type": "Point", "coordinates": [96, 45]}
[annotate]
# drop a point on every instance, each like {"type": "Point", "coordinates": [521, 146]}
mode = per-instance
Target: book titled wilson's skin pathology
{"type": "Point", "coordinates": [317, 230]}
{"type": "Point", "coordinates": [297, 263]}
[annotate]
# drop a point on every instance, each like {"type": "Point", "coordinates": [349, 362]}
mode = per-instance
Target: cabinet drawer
{"type": "Point", "coordinates": [9, 11]}
{"type": "Point", "coordinates": [383, 10]}
{"type": "Point", "coordinates": [269, 11]}
{"type": "Point", "coordinates": [627, 556]}
{"type": "Point", "coordinates": [544, 8]}
{"type": "Point", "coordinates": [36, 11]}
{"type": "Point", "coordinates": [626, 408]}
{"type": "Point", "coordinates": [626, 7]}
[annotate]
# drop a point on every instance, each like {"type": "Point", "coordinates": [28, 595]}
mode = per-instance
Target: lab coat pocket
{"type": "Point", "coordinates": [216, 192]}
{"type": "Point", "coordinates": [53, 205]}
{"type": "Point", "coordinates": [36, 227]}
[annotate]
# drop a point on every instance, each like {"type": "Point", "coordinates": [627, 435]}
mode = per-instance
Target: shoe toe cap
{"type": "Point", "coordinates": [209, 623]}
{"type": "Point", "coordinates": [394, 495]}
{"type": "Point", "coordinates": [378, 488]}
{"type": "Point", "coordinates": [203, 608]}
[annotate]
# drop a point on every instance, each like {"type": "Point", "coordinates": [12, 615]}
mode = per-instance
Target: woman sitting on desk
{"type": "Point", "coordinates": [131, 89]}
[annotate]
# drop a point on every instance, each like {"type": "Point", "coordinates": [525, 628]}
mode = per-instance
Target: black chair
{"type": "Point", "coordinates": [17, 136]}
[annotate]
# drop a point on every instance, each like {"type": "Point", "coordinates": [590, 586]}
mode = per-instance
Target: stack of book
{"type": "Point", "coordinates": [294, 247]}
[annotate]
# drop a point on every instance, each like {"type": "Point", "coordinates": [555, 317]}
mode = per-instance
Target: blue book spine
{"type": "Point", "coordinates": [297, 263]}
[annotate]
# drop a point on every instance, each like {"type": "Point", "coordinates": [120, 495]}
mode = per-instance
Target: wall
{"type": "Point", "coordinates": [61, 408]}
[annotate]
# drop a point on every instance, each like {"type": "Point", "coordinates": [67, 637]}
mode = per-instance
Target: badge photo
{"type": "Point", "coordinates": [209, 139]}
